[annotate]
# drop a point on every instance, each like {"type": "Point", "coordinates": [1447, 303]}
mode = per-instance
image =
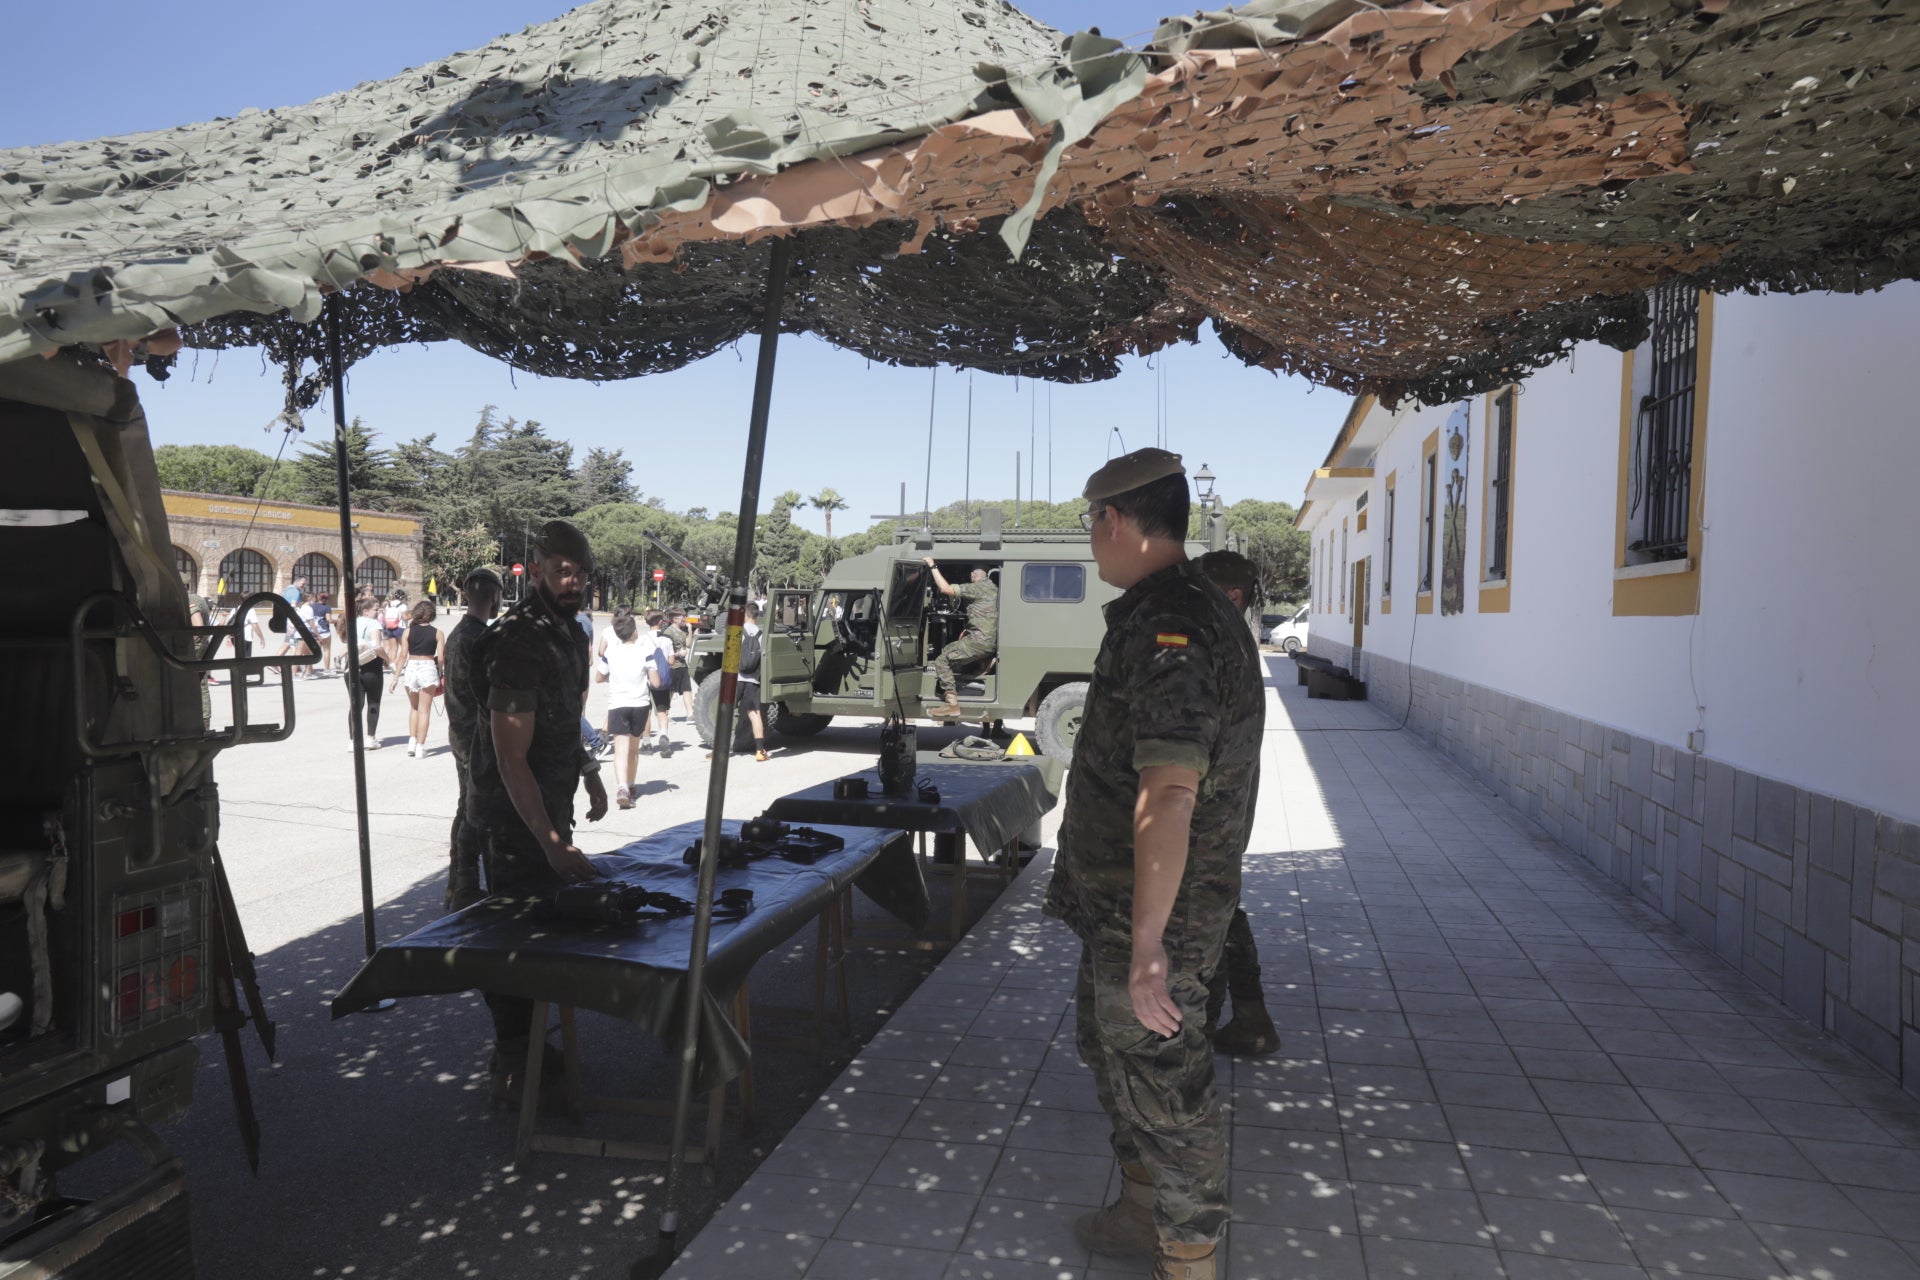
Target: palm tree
{"type": "Point", "coordinates": [828, 501]}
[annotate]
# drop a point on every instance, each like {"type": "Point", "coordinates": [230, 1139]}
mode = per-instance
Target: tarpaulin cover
{"type": "Point", "coordinates": [1414, 197]}
{"type": "Point", "coordinates": [992, 802]}
{"type": "Point", "coordinates": [639, 972]}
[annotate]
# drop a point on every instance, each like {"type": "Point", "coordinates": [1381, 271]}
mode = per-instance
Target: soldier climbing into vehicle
{"type": "Point", "coordinates": [981, 596]}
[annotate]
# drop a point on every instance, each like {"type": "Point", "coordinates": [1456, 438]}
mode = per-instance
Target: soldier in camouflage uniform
{"type": "Point", "coordinates": [1148, 871]}
{"type": "Point", "coordinates": [981, 595]}
{"type": "Point", "coordinates": [468, 841]}
{"type": "Point", "coordinates": [1251, 1032]}
{"type": "Point", "coordinates": [530, 671]}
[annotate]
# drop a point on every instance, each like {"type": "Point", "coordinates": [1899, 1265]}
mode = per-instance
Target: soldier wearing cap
{"type": "Point", "coordinates": [483, 590]}
{"type": "Point", "coordinates": [530, 671]}
{"type": "Point", "coordinates": [1148, 871]}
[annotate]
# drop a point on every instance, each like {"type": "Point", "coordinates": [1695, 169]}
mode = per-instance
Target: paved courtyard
{"type": "Point", "coordinates": [1493, 1063]}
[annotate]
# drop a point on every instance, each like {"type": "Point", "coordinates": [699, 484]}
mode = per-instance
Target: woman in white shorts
{"type": "Point", "coordinates": [426, 647]}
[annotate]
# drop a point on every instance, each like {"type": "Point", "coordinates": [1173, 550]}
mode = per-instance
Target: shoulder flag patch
{"type": "Point", "coordinates": [1170, 640]}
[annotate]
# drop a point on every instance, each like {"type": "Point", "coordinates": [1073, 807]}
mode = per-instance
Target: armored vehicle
{"type": "Point", "coordinates": [860, 643]}
{"type": "Point", "coordinates": [118, 944]}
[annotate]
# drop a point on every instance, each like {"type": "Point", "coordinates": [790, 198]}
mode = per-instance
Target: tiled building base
{"type": "Point", "coordinates": [1814, 899]}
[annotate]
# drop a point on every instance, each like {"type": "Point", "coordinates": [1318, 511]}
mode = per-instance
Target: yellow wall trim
{"type": "Point", "coordinates": [283, 515]}
{"type": "Point", "coordinates": [1423, 603]}
{"type": "Point", "coordinates": [1496, 599]}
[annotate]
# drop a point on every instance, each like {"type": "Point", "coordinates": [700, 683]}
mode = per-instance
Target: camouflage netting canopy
{"type": "Point", "coordinates": [1416, 198]}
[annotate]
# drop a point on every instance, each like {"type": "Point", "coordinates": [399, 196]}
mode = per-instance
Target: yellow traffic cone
{"type": "Point", "coordinates": [1020, 746]}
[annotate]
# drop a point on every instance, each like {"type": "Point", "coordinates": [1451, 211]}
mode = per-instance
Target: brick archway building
{"type": "Point", "coordinates": [211, 531]}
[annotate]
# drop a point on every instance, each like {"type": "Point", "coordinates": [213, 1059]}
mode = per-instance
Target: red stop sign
{"type": "Point", "coordinates": [518, 570]}
{"type": "Point", "coordinates": [659, 575]}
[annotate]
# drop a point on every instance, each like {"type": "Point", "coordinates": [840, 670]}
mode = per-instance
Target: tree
{"type": "Point", "coordinates": [229, 469]}
{"type": "Point", "coordinates": [370, 471]}
{"type": "Point", "coordinates": [777, 544]}
{"type": "Point", "coordinates": [1280, 553]}
{"type": "Point", "coordinates": [606, 476]}
{"type": "Point", "coordinates": [828, 501]}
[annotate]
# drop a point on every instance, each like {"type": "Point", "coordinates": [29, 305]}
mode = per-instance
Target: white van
{"type": "Point", "coordinates": [1288, 630]}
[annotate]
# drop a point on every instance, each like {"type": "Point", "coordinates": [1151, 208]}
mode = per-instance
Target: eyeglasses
{"type": "Point", "coordinates": [1091, 516]}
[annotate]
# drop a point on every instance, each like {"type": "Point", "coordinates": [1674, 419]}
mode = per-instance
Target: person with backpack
{"type": "Point", "coordinates": [623, 665]}
{"type": "Point", "coordinates": [747, 690]}
{"type": "Point", "coordinates": [660, 679]}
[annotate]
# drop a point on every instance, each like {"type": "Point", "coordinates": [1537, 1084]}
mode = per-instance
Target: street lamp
{"type": "Point", "coordinates": [1215, 524]}
{"type": "Point", "coordinates": [1203, 484]}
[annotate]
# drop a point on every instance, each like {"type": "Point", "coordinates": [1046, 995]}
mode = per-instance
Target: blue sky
{"type": "Point", "coordinates": [837, 420]}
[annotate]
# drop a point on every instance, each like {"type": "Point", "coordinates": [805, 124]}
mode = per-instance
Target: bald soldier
{"type": "Point", "coordinates": [1148, 871]}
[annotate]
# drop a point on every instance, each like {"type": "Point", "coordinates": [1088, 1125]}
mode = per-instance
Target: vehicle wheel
{"type": "Point", "coordinates": [706, 709]}
{"type": "Point", "coordinates": [1057, 723]}
{"type": "Point", "coordinates": [793, 724]}
{"type": "Point", "coordinates": [1291, 645]}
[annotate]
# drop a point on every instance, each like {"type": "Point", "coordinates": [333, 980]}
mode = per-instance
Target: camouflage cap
{"type": "Point", "coordinates": [563, 538]}
{"type": "Point", "coordinates": [483, 576]}
{"type": "Point", "coordinates": [1131, 470]}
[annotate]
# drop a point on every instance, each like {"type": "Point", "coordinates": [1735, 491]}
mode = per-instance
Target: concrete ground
{"type": "Point", "coordinates": [1493, 1063]}
{"type": "Point", "coordinates": [381, 1156]}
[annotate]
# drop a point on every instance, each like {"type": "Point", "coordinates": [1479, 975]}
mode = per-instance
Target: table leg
{"type": "Point", "coordinates": [957, 882]}
{"type": "Point", "coordinates": [743, 1023]}
{"type": "Point", "coordinates": [822, 960]}
{"type": "Point", "coordinates": [530, 1083]}
{"type": "Point", "coordinates": [570, 1043]}
{"type": "Point", "coordinates": [837, 939]}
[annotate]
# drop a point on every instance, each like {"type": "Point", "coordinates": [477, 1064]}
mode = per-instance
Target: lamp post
{"type": "Point", "coordinates": [1214, 524]}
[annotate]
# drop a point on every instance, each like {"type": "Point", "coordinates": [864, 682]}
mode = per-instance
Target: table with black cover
{"type": "Point", "coordinates": [992, 803]}
{"type": "Point", "coordinates": [638, 972]}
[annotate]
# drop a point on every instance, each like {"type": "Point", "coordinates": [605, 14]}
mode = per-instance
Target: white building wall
{"type": "Point", "coordinates": [1800, 663]}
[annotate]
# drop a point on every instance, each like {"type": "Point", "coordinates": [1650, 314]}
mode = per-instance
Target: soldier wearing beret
{"type": "Point", "coordinates": [530, 672]}
{"type": "Point", "coordinates": [1148, 872]}
{"type": "Point", "coordinates": [483, 590]}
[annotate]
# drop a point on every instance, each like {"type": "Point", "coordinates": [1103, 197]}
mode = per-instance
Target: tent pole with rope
{"type": "Point", "coordinates": [668, 1245]}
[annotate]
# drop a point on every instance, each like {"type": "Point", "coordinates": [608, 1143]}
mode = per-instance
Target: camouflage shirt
{"type": "Point", "coordinates": [464, 701]}
{"type": "Point", "coordinates": [982, 599]}
{"type": "Point", "coordinates": [1177, 682]}
{"type": "Point", "coordinates": [530, 660]}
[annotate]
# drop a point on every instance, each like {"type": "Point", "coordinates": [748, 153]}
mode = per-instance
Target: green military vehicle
{"type": "Point", "coordinates": [118, 944]}
{"type": "Point", "coordinates": [860, 643]}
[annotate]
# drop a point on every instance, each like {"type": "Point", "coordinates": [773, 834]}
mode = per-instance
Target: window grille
{"type": "Point", "coordinates": [322, 578]}
{"type": "Point", "coordinates": [1429, 486]}
{"type": "Point", "coordinates": [1500, 482]}
{"type": "Point", "coordinates": [1662, 463]}
{"type": "Point", "coordinates": [377, 575]}
{"type": "Point", "coordinates": [187, 567]}
{"type": "Point", "coordinates": [247, 573]}
{"type": "Point", "coordinates": [1386, 549]}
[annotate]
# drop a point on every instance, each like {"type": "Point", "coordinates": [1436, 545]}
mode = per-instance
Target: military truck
{"type": "Point", "coordinates": [860, 643]}
{"type": "Point", "coordinates": [116, 933]}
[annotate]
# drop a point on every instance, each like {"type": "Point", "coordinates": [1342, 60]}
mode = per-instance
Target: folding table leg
{"type": "Point", "coordinates": [837, 941]}
{"type": "Point", "coordinates": [957, 921]}
{"type": "Point", "coordinates": [822, 960]}
{"type": "Point", "coordinates": [743, 1023]}
{"type": "Point", "coordinates": [530, 1083]}
{"type": "Point", "coordinates": [570, 1043]}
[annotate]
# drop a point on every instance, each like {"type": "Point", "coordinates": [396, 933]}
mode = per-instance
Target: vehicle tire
{"type": "Point", "coordinates": [706, 709]}
{"type": "Point", "coordinates": [1057, 723]}
{"type": "Point", "coordinates": [1291, 645]}
{"type": "Point", "coordinates": [793, 724]}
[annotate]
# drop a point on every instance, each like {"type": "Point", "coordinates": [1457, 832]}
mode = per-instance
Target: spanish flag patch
{"type": "Point", "coordinates": [1169, 640]}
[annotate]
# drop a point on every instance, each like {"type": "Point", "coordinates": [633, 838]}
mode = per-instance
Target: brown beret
{"type": "Point", "coordinates": [1131, 470]}
{"type": "Point", "coordinates": [563, 538]}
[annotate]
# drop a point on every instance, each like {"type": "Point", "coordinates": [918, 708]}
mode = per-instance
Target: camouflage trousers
{"type": "Point", "coordinates": [1158, 1092]}
{"type": "Point", "coordinates": [465, 844]}
{"type": "Point", "coordinates": [516, 865]}
{"type": "Point", "coordinates": [969, 646]}
{"type": "Point", "coordinates": [1239, 971]}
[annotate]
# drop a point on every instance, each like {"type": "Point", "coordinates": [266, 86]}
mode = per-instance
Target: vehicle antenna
{"type": "Point", "coordinates": [966, 492]}
{"type": "Point", "coordinates": [1033, 428]}
{"type": "Point", "coordinates": [926, 497]}
{"type": "Point", "coordinates": [1049, 446]}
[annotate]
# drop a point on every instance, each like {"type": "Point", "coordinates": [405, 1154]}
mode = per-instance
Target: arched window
{"type": "Point", "coordinates": [246, 573]}
{"type": "Point", "coordinates": [187, 567]}
{"type": "Point", "coordinates": [322, 578]}
{"type": "Point", "coordinates": [377, 574]}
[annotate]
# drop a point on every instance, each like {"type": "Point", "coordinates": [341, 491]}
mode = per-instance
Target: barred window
{"type": "Point", "coordinates": [187, 567]}
{"type": "Point", "coordinates": [1429, 492]}
{"type": "Point", "coordinates": [1500, 485]}
{"type": "Point", "coordinates": [322, 578]}
{"type": "Point", "coordinates": [376, 574]}
{"type": "Point", "coordinates": [246, 573]}
{"type": "Point", "coordinates": [1660, 475]}
{"type": "Point", "coordinates": [1386, 548]}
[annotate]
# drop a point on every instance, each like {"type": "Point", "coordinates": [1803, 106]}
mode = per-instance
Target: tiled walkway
{"type": "Point", "coordinates": [1492, 1064]}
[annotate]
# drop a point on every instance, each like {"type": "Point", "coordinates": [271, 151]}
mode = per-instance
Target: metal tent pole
{"type": "Point", "coordinates": [722, 745]}
{"type": "Point", "coordinates": [356, 696]}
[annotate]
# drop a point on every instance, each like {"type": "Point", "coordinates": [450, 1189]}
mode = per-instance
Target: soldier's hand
{"type": "Point", "coordinates": [1147, 985]}
{"type": "Point", "coordinates": [929, 561]}
{"type": "Point", "coordinates": [596, 798]}
{"type": "Point", "coordinates": [570, 864]}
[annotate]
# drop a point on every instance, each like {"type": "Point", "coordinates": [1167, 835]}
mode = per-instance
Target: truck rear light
{"type": "Point", "coordinates": [157, 950]}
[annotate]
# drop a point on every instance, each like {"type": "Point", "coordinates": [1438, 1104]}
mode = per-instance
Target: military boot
{"type": "Point", "coordinates": [1124, 1229]}
{"type": "Point", "coordinates": [1184, 1261]}
{"type": "Point", "coordinates": [948, 710]}
{"type": "Point", "coordinates": [1251, 1032]}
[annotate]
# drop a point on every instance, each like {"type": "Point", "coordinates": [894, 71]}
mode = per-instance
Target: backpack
{"type": "Point", "coordinates": [659, 670]}
{"type": "Point", "coordinates": [749, 654]}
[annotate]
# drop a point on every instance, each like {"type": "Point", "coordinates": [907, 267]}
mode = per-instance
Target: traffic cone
{"type": "Point", "coordinates": [1019, 746]}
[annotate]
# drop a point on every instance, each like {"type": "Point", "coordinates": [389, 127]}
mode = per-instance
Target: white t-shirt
{"type": "Point", "coordinates": [367, 635]}
{"type": "Point", "coordinates": [626, 663]}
